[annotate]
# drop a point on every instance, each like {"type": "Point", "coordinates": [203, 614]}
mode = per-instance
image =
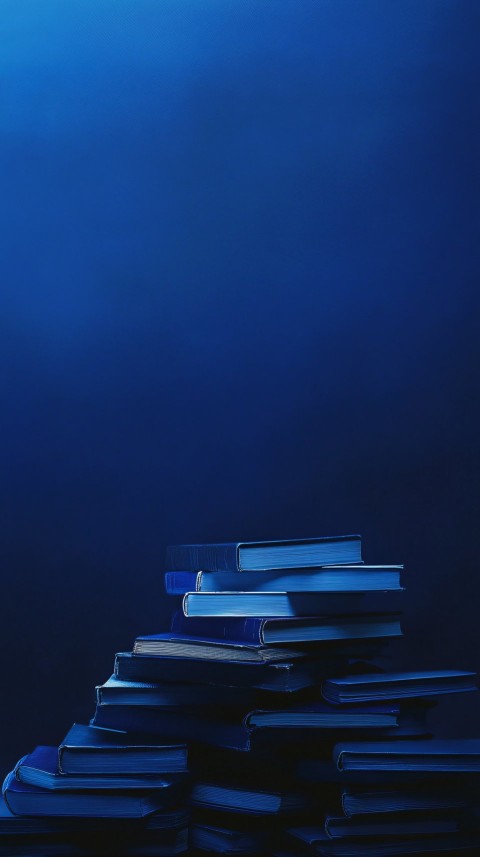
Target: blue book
{"type": "Point", "coordinates": [380, 686]}
{"type": "Point", "coordinates": [246, 799]}
{"type": "Point", "coordinates": [17, 827]}
{"type": "Point", "coordinates": [255, 631]}
{"type": "Point", "coordinates": [411, 797]}
{"type": "Point", "coordinates": [175, 695]}
{"type": "Point", "coordinates": [65, 836]}
{"type": "Point", "coordinates": [181, 646]}
{"type": "Point", "coordinates": [259, 556]}
{"type": "Point", "coordinates": [314, 840]}
{"type": "Point", "coordinates": [224, 840]}
{"type": "Point", "coordinates": [393, 826]}
{"type": "Point", "coordinates": [23, 799]}
{"type": "Point", "coordinates": [340, 578]}
{"type": "Point", "coordinates": [241, 727]}
{"type": "Point", "coordinates": [283, 677]}
{"type": "Point", "coordinates": [448, 756]}
{"type": "Point", "coordinates": [284, 604]}
{"type": "Point", "coordinates": [40, 768]}
{"type": "Point", "coordinates": [87, 750]}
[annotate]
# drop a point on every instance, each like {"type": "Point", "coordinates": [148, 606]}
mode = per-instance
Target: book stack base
{"type": "Point", "coordinates": [266, 719]}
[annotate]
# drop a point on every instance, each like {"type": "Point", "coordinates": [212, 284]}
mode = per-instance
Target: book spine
{"type": "Point", "coordinates": [203, 558]}
{"type": "Point", "coordinates": [241, 630]}
{"type": "Point", "coordinates": [180, 582]}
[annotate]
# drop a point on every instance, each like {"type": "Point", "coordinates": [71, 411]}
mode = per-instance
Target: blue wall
{"type": "Point", "coordinates": [240, 298]}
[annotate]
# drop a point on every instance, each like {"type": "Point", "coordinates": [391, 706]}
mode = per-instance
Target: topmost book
{"type": "Point", "coordinates": [263, 556]}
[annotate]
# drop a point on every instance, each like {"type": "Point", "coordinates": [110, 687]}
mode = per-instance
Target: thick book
{"type": "Point", "coordinates": [340, 578]}
{"type": "Point", "coordinates": [264, 555]}
{"type": "Point", "coordinates": [447, 756]}
{"type": "Point", "coordinates": [40, 768]}
{"type": "Point", "coordinates": [379, 686]}
{"type": "Point", "coordinates": [87, 750]}
{"type": "Point", "coordinates": [284, 677]}
{"type": "Point", "coordinates": [249, 800]}
{"type": "Point", "coordinates": [255, 631]}
{"type": "Point", "coordinates": [239, 729]}
{"type": "Point", "coordinates": [314, 840]}
{"type": "Point", "coordinates": [23, 799]}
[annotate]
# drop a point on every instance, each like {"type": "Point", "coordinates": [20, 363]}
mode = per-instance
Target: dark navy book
{"type": "Point", "coordinates": [393, 826]}
{"type": "Point", "coordinates": [258, 631]}
{"type": "Point", "coordinates": [284, 677]}
{"type": "Point", "coordinates": [230, 841]}
{"type": "Point", "coordinates": [314, 840]}
{"type": "Point", "coordinates": [380, 686]}
{"type": "Point", "coordinates": [176, 695]}
{"type": "Point", "coordinates": [87, 750]}
{"type": "Point", "coordinates": [446, 756]}
{"type": "Point", "coordinates": [236, 798]}
{"type": "Point", "coordinates": [340, 578]}
{"type": "Point", "coordinates": [258, 556]}
{"type": "Point", "coordinates": [412, 796]}
{"type": "Point", "coordinates": [240, 728]}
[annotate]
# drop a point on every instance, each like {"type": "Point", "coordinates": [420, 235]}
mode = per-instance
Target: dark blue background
{"type": "Point", "coordinates": [240, 299]}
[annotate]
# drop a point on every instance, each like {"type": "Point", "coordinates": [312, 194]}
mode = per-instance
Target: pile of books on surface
{"type": "Point", "coordinates": [301, 739]}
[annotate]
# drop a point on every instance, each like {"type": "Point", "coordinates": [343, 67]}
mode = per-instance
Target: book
{"type": "Point", "coordinates": [461, 755]}
{"type": "Point", "coordinates": [279, 604]}
{"type": "Point", "coordinates": [235, 798]}
{"type": "Point", "coordinates": [379, 686]}
{"type": "Point", "coordinates": [88, 750]}
{"type": "Point", "coordinates": [228, 841]}
{"type": "Point", "coordinates": [23, 799]}
{"type": "Point", "coordinates": [40, 768]}
{"type": "Point", "coordinates": [393, 826]}
{"type": "Point", "coordinates": [177, 645]}
{"type": "Point", "coordinates": [257, 631]}
{"type": "Point", "coordinates": [259, 556]}
{"type": "Point", "coordinates": [340, 578]}
{"type": "Point", "coordinates": [413, 796]}
{"type": "Point", "coordinates": [19, 826]}
{"type": "Point", "coordinates": [314, 840]}
{"type": "Point", "coordinates": [240, 729]}
{"type": "Point", "coordinates": [175, 695]}
{"type": "Point", "coordinates": [284, 677]}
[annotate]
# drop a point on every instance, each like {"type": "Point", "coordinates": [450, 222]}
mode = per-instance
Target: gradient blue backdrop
{"type": "Point", "coordinates": [240, 298]}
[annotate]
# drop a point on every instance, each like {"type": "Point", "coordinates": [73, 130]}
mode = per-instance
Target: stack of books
{"type": "Point", "coordinates": [275, 672]}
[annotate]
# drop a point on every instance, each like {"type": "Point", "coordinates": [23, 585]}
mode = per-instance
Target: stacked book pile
{"type": "Point", "coordinates": [275, 672]}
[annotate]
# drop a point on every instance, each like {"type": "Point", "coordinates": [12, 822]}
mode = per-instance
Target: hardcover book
{"type": "Point", "coordinates": [88, 750]}
{"type": "Point", "coordinates": [256, 631]}
{"type": "Point", "coordinates": [340, 578]}
{"type": "Point", "coordinates": [23, 799]}
{"type": "Point", "coordinates": [378, 686]}
{"type": "Point", "coordinates": [258, 556]}
{"type": "Point", "coordinates": [448, 756]}
{"type": "Point", "coordinates": [40, 768]}
{"type": "Point", "coordinates": [238, 729]}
